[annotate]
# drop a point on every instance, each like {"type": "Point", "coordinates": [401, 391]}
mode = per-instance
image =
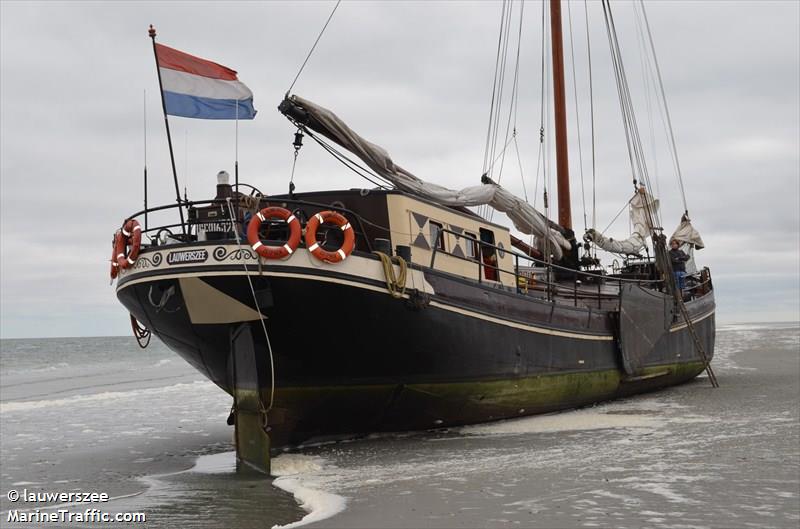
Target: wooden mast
{"type": "Point", "coordinates": [562, 159]}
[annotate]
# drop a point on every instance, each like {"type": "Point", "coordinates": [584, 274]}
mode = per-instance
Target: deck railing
{"type": "Point", "coordinates": [187, 236]}
{"type": "Point", "coordinates": [522, 282]}
{"type": "Point", "coordinates": [550, 286]}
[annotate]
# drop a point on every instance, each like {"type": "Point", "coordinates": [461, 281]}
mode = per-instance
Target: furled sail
{"type": "Point", "coordinates": [685, 233]}
{"type": "Point", "coordinates": [525, 218]}
{"type": "Point", "coordinates": [690, 240]}
{"type": "Point", "coordinates": [640, 203]}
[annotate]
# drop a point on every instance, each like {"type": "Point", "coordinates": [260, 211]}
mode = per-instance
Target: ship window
{"type": "Point", "coordinates": [437, 235]}
{"type": "Point", "coordinates": [471, 245]}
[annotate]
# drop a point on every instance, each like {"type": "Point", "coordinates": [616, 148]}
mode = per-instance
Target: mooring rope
{"type": "Point", "coordinates": [258, 309]}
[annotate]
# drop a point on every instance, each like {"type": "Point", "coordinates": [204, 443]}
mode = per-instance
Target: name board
{"type": "Point", "coordinates": [223, 227]}
{"type": "Point", "coordinates": [187, 257]}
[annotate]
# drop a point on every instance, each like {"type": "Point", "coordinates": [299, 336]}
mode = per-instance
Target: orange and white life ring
{"type": "Point", "coordinates": [130, 234]}
{"type": "Point", "coordinates": [115, 244]}
{"type": "Point", "coordinates": [318, 251]}
{"type": "Point", "coordinates": [274, 252]}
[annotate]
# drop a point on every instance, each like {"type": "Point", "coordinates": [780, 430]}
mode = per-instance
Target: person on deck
{"type": "Point", "coordinates": [678, 258]}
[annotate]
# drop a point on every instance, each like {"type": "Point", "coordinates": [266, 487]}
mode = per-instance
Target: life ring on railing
{"type": "Point", "coordinates": [114, 246]}
{"type": "Point", "coordinates": [274, 252]}
{"type": "Point", "coordinates": [130, 234]}
{"type": "Point", "coordinates": [318, 251]}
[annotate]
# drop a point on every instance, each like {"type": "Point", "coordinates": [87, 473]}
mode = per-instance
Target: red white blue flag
{"type": "Point", "coordinates": [199, 88]}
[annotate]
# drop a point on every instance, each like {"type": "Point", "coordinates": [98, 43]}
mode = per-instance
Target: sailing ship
{"type": "Point", "coordinates": [339, 313]}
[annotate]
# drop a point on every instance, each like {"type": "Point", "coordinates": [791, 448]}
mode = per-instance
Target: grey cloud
{"type": "Point", "coordinates": [412, 76]}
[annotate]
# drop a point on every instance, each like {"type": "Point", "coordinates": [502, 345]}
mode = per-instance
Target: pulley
{"type": "Point", "coordinates": [298, 140]}
{"type": "Point", "coordinates": [297, 143]}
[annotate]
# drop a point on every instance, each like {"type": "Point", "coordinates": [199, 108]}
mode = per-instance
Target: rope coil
{"type": "Point", "coordinates": [396, 285]}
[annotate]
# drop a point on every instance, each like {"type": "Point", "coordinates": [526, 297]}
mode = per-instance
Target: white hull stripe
{"type": "Point", "coordinates": [356, 284]}
{"type": "Point", "coordinates": [680, 326]}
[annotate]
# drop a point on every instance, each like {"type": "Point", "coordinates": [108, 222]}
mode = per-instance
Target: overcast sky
{"type": "Point", "coordinates": [414, 77]}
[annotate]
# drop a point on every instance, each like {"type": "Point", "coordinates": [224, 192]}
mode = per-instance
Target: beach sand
{"type": "Point", "coordinates": [689, 456]}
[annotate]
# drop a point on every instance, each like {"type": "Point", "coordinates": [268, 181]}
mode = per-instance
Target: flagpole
{"type": "Point", "coordinates": [144, 114]}
{"type": "Point", "coordinates": [236, 165]}
{"type": "Point", "coordinates": [152, 33]}
{"type": "Point", "coordinates": [236, 149]}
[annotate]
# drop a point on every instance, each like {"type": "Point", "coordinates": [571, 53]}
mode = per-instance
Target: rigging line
{"type": "Point", "coordinates": [261, 317]}
{"type": "Point", "coordinates": [314, 46]}
{"type": "Point", "coordinates": [577, 112]}
{"type": "Point", "coordinates": [350, 164]}
{"type": "Point", "coordinates": [591, 113]}
{"type": "Point", "coordinates": [653, 216]}
{"type": "Point", "coordinates": [501, 81]}
{"type": "Point", "coordinates": [486, 155]}
{"type": "Point", "coordinates": [631, 116]}
{"type": "Point", "coordinates": [646, 68]}
{"type": "Point", "coordinates": [539, 159]}
{"type": "Point", "coordinates": [539, 164]}
{"type": "Point", "coordinates": [516, 70]}
{"type": "Point", "coordinates": [666, 107]}
{"type": "Point", "coordinates": [629, 119]}
{"type": "Point", "coordinates": [519, 160]}
{"type": "Point", "coordinates": [336, 153]}
{"type": "Point", "coordinates": [617, 215]}
{"type": "Point", "coordinates": [511, 139]}
{"type": "Point", "coordinates": [512, 108]}
{"type": "Point", "coordinates": [494, 86]}
{"type": "Point", "coordinates": [619, 91]}
{"type": "Point", "coordinates": [501, 86]}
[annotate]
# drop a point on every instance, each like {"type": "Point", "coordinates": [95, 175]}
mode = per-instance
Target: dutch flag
{"type": "Point", "coordinates": [198, 88]}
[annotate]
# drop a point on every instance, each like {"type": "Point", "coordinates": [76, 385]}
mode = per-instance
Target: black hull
{"type": "Point", "coordinates": [351, 359]}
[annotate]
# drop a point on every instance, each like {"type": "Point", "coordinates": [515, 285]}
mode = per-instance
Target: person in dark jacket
{"type": "Point", "coordinates": [678, 258]}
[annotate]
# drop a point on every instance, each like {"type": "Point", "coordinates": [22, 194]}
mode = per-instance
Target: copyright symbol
{"type": "Point", "coordinates": [12, 495]}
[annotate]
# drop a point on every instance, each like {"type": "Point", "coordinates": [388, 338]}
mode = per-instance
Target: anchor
{"type": "Point", "coordinates": [249, 412]}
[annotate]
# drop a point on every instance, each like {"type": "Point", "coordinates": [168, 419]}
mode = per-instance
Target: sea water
{"type": "Point", "coordinates": [101, 415]}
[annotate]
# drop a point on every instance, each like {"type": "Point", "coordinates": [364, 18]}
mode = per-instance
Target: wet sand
{"type": "Point", "coordinates": [689, 456]}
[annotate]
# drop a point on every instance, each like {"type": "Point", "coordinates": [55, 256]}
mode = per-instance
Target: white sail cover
{"type": "Point", "coordinates": [639, 204]}
{"type": "Point", "coordinates": [690, 240]}
{"type": "Point", "coordinates": [686, 234]}
{"type": "Point", "coordinates": [525, 218]}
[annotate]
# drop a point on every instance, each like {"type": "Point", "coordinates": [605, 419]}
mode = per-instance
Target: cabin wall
{"type": "Point", "coordinates": [411, 222]}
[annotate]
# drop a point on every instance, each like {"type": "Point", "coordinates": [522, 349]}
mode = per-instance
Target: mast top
{"type": "Point", "coordinates": [152, 32]}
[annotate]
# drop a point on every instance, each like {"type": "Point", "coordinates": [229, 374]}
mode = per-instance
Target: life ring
{"type": "Point", "coordinates": [318, 251]}
{"type": "Point", "coordinates": [130, 234]}
{"type": "Point", "coordinates": [274, 252]}
{"type": "Point", "coordinates": [114, 246]}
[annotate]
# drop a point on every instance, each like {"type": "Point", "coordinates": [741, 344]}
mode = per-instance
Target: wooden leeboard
{"type": "Point", "coordinates": [645, 316]}
{"type": "Point", "coordinates": [252, 442]}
